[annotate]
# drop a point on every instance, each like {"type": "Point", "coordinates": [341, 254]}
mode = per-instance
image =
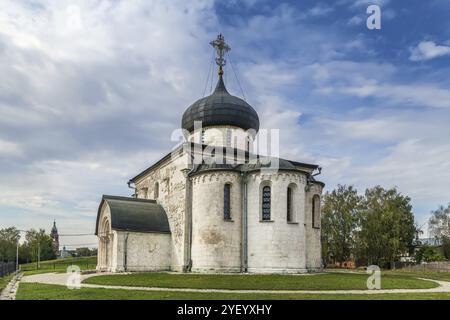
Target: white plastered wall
{"type": "Point", "coordinates": [216, 242]}
{"type": "Point", "coordinates": [276, 246]}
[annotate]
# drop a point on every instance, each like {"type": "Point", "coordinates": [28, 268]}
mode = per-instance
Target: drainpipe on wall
{"type": "Point", "coordinates": [319, 171]}
{"type": "Point", "coordinates": [125, 252]}
{"type": "Point", "coordinates": [244, 250]}
{"type": "Point", "coordinates": [188, 217]}
{"type": "Point", "coordinates": [134, 195]}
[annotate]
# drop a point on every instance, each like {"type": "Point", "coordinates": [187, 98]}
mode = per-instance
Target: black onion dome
{"type": "Point", "coordinates": [221, 108]}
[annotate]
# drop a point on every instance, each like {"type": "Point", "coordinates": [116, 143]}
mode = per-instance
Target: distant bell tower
{"type": "Point", "coordinates": [55, 238]}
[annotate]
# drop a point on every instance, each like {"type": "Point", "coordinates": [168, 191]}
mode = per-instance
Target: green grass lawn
{"type": "Point", "coordinates": [5, 280]}
{"type": "Point", "coordinates": [33, 291]}
{"type": "Point", "coordinates": [59, 265]}
{"type": "Point", "coordinates": [322, 281]}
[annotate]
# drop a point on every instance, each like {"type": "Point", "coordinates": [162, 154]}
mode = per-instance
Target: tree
{"type": "Point", "coordinates": [387, 227]}
{"type": "Point", "coordinates": [445, 243]}
{"type": "Point", "coordinates": [25, 254]}
{"type": "Point", "coordinates": [8, 243]}
{"type": "Point", "coordinates": [40, 245]}
{"type": "Point", "coordinates": [439, 227]}
{"type": "Point", "coordinates": [339, 220]}
{"type": "Point", "coordinates": [427, 253]}
{"type": "Point", "coordinates": [83, 252]}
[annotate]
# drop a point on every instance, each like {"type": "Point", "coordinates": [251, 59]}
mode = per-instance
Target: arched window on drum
{"type": "Point", "coordinates": [227, 201]}
{"type": "Point", "coordinates": [316, 211]}
{"type": "Point", "coordinates": [266, 203]}
{"type": "Point", "coordinates": [289, 205]}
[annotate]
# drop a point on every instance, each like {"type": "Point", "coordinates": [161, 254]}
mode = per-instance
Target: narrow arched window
{"type": "Point", "coordinates": [316, 211]}
{"type": "Point", "coordinates": [229, 136]}
{"type": "Point", "coordinates": [145, 193]}
{"type": "Point", "coordinates": [202, 136]}
{"type": "Point", "coordinates": [266, 203]}
{"type": "Point", "coordinates": [289, 211]}
{"type": "Point", "coordinates": [227, 201]}
{"type": "Point", "coordinates": [156, 191]}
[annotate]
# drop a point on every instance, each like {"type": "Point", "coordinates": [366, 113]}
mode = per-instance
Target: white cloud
{"type": "Point", "coordinates": [269, 77]}
{"type": "Point", "coordinates": [375, 80]}
{"type": "Point", "coordinates": [91, 92]}
{"type": "Point", "coordinates": [416, 166]}
{"type": "Point", "coordinates": [8, 148]}
{"type": "Point", "coordinates": [26, 200]}
{"type": "Point", "coordinates": [359, 3]}
{"type": "Point", "coordinates": [404, 149]}
{"type": "Point", "coordinates": [427, 50]}
{"type": "Point", "coordinates": [417, 95]}
{"type": "Point", "coordinates": [355, 21]}
{"type": "Point", "coordinates": [372, 129]}
{"type": "Point", "coordinates": [320, 9]}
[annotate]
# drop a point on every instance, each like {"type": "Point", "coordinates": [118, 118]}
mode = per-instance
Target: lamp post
{"type": "Point", "coordinates": [39, 254]}
{"type": "Point", "coordinates": [17, 250]}
{"type": "Point", "coordinates": [17, 254]}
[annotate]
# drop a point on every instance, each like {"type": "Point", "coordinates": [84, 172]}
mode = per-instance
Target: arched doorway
{"type": "Point", "coordinates": [105, 245]}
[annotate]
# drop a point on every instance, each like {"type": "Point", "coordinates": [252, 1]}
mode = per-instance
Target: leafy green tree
{"type": "Point", "coordinates": [8, 243]}
{"type": "Point", "coordinates": [84, 252]}
{"type": "Point", "coordinates": [439, 227]}
{"type": "Point", "coordinates": [339, 220]}
{"type": "Point", "coordinates": [25, 254]}
{"type": "Point", "coordinates": [39, 244]}
{"type": "Point", "coordinates": [427, 253]}
{"type": "Point", "coordinates": [445, 242]}
{"type": "Point", "coordinates": [386, 226]}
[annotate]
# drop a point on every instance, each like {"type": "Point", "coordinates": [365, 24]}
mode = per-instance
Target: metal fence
{"type": "Point", "coordinates": [7, 268]}
{"type": "Point", "coordinates": [438, 266]}
{"type": "Point", "coordinates": [58, 266]}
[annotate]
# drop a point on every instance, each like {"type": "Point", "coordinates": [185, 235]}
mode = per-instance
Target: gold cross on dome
{"type": "Point", "coordinates": [221, 48]}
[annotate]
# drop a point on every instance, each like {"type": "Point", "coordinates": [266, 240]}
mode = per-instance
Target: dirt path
{"type": "Point", "coordinates": [61, 279]}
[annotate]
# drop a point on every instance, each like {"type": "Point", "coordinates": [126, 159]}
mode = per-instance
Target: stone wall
{"type": "Point", "coordinates": [276, 245]}
{"type": "Point", "coordinates": [172, 196]}
{"type": "Point", "coordinates": [131, 251]}
{"type": "Point", "coordinates": [216, 242]}
{"type": "Point", "coordinates": [144, 251]}
{"type": "Point", "coordinates": [314, 249]}
{"type": "Point", "coordinates": [273, 246]}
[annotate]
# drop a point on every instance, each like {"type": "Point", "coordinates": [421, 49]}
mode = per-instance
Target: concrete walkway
{"type": "Point", "coordinates": [61, 278]}
{"type": "Point", "coordinates": [9, 292]}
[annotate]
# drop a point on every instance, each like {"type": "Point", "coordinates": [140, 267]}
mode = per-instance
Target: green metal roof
{"type": "Point", "coordinates": [276, 163]}
{"type": "Point", "coordinates": [284, 164]}
{"type": "Point", "coordinates": [137, 215]}
{"type": "Point", "coordinates": [280, 164]}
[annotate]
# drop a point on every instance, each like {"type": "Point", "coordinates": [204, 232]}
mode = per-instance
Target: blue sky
{"type": "Point", "coordinates": [90, 93]}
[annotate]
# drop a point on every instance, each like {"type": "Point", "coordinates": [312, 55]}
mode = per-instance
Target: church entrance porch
{"type": "Point", "coordinates": [105, 246]}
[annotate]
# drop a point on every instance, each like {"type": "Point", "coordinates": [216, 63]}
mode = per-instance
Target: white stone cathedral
{"type": "Point", "coordinates": [212, 204]}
